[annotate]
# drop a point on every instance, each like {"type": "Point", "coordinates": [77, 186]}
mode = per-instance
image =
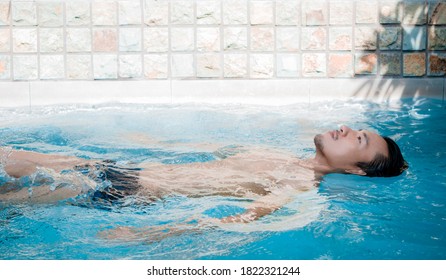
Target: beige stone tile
{"type": "Point", "coordinates": [24, 40]}
{"type": "Point", "coordinates": [104, 12]}
{"type": "Point", "coordinates": [50, 14]}
{"type": "Point", "coordinates": [235, 65]}
{"type": "Point", "coordinates": [156, 39]}
{"type": "Point", "coordinates": [235, 12]}
{"type": "Point", "coordinates": [78, 13]}
{"type": "Point", "coordinates": [25, 67]}
{"type": "Point", "coordinates": [130, 66]}
{"type": "Point", "coordinates": [105, 66]}
{"type": "Point", "coordinates": [105, 39]}
{"type": "Point", "coordinates": [156, 66]}
{"type": "Point", "coordinates": [208, 12]}
{"type": "Point", "coordinates": [209, 65]}
{"type": "Point", "coordinates": [156, 13]}
{"type": "Point", "coordinates": [79, 67]}
{"type": "Point", "coordinates": [52, 67]}
{"type": "Point", "coordinates": [51, 40]}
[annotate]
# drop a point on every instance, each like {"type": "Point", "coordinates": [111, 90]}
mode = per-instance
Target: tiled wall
{"type": "Point", "coordinates": [220, 39]}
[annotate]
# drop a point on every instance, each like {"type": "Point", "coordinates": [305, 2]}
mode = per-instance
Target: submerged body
{"type": "Point", "coordinates": [268, 178]}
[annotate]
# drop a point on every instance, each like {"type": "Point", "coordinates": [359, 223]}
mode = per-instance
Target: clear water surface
{"type": "Point", "coordinates": [361, 218]}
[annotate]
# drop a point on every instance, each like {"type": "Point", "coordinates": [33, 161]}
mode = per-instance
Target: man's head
{"type": "Point", "coordinates": [359, 152]}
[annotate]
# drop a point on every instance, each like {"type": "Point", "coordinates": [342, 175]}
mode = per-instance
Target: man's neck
{"type": "Point", "coordinates": [319, 165]}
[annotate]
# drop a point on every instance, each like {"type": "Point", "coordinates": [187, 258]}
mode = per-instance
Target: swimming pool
{"type": "Point", "coordinates": [347, 217]}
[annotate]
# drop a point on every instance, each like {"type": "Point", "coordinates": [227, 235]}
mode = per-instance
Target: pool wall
{"type": "Point", "coordinates": [248, 51]}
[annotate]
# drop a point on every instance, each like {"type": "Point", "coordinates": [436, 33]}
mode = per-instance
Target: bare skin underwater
{"type": "Point", "coordinates": [269, 178]}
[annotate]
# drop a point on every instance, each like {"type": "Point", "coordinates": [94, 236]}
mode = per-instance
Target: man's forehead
{"type": "Point", "coordinates": [377, 142]}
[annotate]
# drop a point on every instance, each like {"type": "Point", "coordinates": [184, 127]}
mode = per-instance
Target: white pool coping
{"type": "Point", "coordinates": [258, 92]}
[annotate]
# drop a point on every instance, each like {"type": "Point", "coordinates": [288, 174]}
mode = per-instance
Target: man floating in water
{"type": "Point", "coordinates": [268, 178]}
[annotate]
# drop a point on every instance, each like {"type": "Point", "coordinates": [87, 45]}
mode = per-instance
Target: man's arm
{"type": "Point", "coordinates": [40, 194]}
{"type": "Point", "coordinates": [261, 207]}
{"type": "Point", "coordinates": [19, 163]}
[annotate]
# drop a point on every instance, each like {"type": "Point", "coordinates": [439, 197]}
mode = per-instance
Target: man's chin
{"type": "Point", "coordinates": [318, 142]}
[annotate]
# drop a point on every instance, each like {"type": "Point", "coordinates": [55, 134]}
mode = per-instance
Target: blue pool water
{"type": "Point", "coordinates": [356, 218]}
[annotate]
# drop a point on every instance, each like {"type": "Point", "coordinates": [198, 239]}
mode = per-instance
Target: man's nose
{"type": "Point", "coordinates": [344, 130]}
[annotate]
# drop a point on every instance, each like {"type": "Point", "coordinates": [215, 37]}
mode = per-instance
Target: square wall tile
{"type": "Point", "coordinates": [414, 12]}
{"type": "Point", "coordinates": [156, 39]}
{"type": "Point", "coordinates": [209, 65]}
{"type": "Point", "coordinates": [235, 65]}
{"type": "Point", "coordinates": [182, 12]}
{"type": "Point", "coordinates": [262, 66]}
{"type": "Point", "coordinates": [208, 39]}
{"type": "Point", "coordinates": [182, 65]}
{"type": "Point", "coordinates": [314, 12]}
{"type": "Point", "coordinates": [5, 40]}
{"type": "Point", "coordinates": [365, 38]}
{"type": "Point", "coordinates": [288, 65]}
{"type": "Point", "coordinates": [78, 39]}
{"type": "Point", "coordinates": [24, 40]}
{"type": "Point", "coordinates": [104, 12]}
{"type": "Point", "coordinates": [105, 39]}
{"type": "Point", "coordinates": [51, 40]}
{"type": "Point", "coordinates": [314, 65]}
{"type": "Point", "coordinates": [414, 38]}
{"type": "Point", "coordinates": [208, 12]}
{"type": "Point", "coordinates": [78, 13]}
{"type": "Point", "coordinates": [437, 64]}
{"type": "Point", "coordinates": [390, 12]}
{"type": "Point", "coordinates": [25, 67]}
{"type": "Point", "coordinates": [156, 12]}
{"type": "Point", "coordinates": [52, 67]}
{"type": "Point", "coordinates": [287, 39]}
{"type": "Point", "coordinates": [235, 38]}
{"type": "Point", "coordinates": [129, 12]}
{"type": "Point", "coordinates": [235, 11]}
{"type": "Point", "coordinates": [340, 38]}
{"type": "Point", "coordinates": [105, 66]}
{"type": "Point", "coordinates": [261, 12]}
{"type": "Point", "coordinates": [79, 67]}
{"type": "Point", "coordinates": [437, 13]}
{"type": "Point", "coordinates": [390, 38]}
{"type": "Point", "coordinates": [287, 12]}
{"type": "Point", "coordinates": [50, 14]}
{"type": "Point", "coordinates": [367, 11]}
{"type": "Point", "coordinates": [156, 66]}
{"type": "Point", "coordinates": [437, 38]}
{"type": "Point", "coordinates": [262, 38]}
{"type": "Point", "coordinates": [24, 13]}
{"type": "Point", "coordinates": [340, 65]}
{"type": "Point", "coordinates": [182, 39]}
{"type": "Point", "coordinates": [366, 63]}
{"type": "Point", "coordinates": [130, 40]}
{"type": "Point", "coordinates": [414, 64]}
{"type": "Point", "coordinates": [314, 38]}
{"type": "Point", "coordinates": [390, 64]}
{"type": "Point", "coordinates": [341, 12]}
{"type": "Point", "coordinates": [5, 15]}
{"type": "Point", "coordinates": [130, 66]}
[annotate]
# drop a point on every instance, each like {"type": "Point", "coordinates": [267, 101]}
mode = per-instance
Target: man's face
{"type": "Point", "coordinates": [343, 148]}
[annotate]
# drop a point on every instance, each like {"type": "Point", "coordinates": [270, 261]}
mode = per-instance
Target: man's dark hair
{"type": "Point", "coordinates": [382, 166]}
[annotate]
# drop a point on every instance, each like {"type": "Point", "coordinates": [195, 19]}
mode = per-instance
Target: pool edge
{"type": "Point", "coordinates": [258, 92]}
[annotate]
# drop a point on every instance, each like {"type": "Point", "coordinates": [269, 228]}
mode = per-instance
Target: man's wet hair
{"type": "Point", "coordinates": [382, 166]}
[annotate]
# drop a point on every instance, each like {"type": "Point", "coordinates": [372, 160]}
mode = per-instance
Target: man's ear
{"type": "Point", "coordinates": [356, 171]}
